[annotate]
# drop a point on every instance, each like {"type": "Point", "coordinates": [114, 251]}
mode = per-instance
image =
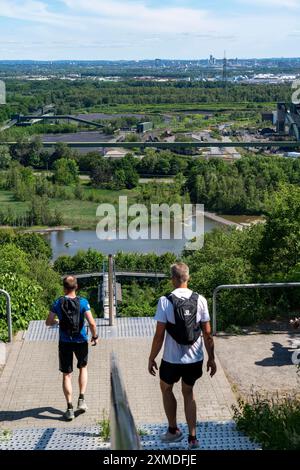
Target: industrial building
{"type": "Point", "coordinates": [286, 119]}
{"type": "Point", "coordinates": [143, 127]}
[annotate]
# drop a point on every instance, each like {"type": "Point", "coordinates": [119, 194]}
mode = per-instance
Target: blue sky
{"type": "Point", "coordinates": [137, 29]}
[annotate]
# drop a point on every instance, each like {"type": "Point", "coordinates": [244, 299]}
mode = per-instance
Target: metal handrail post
{"type": "Point", "coordinates": [124, 435]}
{"type": "Point", "coordinates": [110, 290]}
{"type": "Point", "coordinates": [8, 314]}
{"type": "Point", "coordinates": [246, 286]}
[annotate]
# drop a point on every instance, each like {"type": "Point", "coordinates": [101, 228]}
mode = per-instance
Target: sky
{"type": "Point", "coordinates": [148, 29]}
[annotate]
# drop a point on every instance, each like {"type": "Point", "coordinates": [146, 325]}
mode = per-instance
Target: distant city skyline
{"type": "Point", "coordinates": [148, 29]}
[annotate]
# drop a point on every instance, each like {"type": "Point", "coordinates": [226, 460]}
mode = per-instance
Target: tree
{"type": "Point", "coordinates": [5, 157]}
{"type": "Point", "coordinates": [34, 245]}
{"type": "Point", "coordinates": [279, 250]}
{"type": "Point", "coordinates": [101, 172]}
{"type": "Point", "coordinates": [66, 172]}
{"type": "Point", "coordinates": [62, 150]}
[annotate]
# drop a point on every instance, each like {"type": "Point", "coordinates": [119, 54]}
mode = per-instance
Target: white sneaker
{"type": "Point", "coordinates": [82, 406]}
{"type": "Point", "coordinates": [168, 437]}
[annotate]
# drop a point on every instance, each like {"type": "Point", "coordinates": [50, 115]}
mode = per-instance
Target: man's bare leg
{"type": "Point", "coordinates": [170, 403]}
{"type": "Point", "coordinates": [82, 380]}
{"type": "Point", "coordinates": [190, 408]}
{"type": "Point", "coordinates": [67, 387]}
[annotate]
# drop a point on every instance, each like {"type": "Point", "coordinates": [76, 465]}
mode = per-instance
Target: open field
{"type": "Point", "coordinates": [76, 213]}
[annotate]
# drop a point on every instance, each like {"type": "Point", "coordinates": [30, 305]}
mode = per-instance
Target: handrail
{"type": "Point", "coordinates": [123, 434]}
{"type": "Point", "coordinates": [8, 314]}
{"type": "Point", "coordinates": [246, 286]}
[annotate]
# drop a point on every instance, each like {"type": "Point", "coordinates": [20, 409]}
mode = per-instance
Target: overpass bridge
{"type": "Point", "coordinates": [140, 274]}
{"type": "Point", "coordinates": [109, 289]}
{"type": "Point", "coordinates": [172, 145]}
{"type": "Point", "coordinates": [22, 119]}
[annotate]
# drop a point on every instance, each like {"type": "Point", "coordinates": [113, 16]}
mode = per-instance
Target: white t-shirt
{"type": "Point", "coordinates": [174, 352]}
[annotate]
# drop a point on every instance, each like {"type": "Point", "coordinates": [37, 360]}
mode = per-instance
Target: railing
{"type": "Point", "coordinates": [123, 434]}
{"type": "Point", "coordinates": [8, 314]}
{"type": "Point", "coordinates": [271, 285]}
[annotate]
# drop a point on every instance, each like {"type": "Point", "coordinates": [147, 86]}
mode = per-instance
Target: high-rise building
{"type": "Point", "coordinates": [211, 60]}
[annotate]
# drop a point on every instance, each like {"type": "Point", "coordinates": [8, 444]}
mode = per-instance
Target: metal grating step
{"type": "Point", "coordinates": [125, 327]}
{"type": "Point", "coordinates": [213, 435]}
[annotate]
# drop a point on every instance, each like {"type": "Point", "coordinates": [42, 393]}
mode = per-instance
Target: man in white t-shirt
{"type": "Point", "coordinates": [181, 361]}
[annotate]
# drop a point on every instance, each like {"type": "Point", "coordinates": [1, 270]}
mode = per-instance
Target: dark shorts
{"type": "Point", "coordinates": [172, 373]}
{"type": "Point", "coordinates": [66, 351]}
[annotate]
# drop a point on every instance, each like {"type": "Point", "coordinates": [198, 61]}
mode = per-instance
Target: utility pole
{"type": "Point", "coordinates": [110, 290]}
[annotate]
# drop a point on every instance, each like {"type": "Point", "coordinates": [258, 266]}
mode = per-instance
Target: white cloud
{"type": "Point", "coordinates": [274, 3]}
{"type": "Point", "coordinates": [137, 30]}
{"type": "Point", "coordinates": [140, 17]}
{"type": "Point", "coordinates": [31, 10]}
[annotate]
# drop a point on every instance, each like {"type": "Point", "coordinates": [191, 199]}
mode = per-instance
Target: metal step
{"type": "Point", "coordinates": [125, 327]}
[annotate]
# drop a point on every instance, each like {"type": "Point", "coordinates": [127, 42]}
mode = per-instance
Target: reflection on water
{"type": "Point", "coordinates": [69, 242]}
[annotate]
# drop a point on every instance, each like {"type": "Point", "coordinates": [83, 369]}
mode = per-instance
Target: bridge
{"type": "Point", "coordinates": [141, 274]}
{"type": "Point", "coordinates": [171, 145]}
{"type": "Point", "coordinates": [109, 290]}
{"type": "Point", "coordinates": [20, 118]}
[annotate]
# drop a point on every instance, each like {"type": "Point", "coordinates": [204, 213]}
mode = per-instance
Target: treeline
{"type": "Point", "coordinates": [26, 96]}
{"type": "Point", "coordinates": [242, 187]}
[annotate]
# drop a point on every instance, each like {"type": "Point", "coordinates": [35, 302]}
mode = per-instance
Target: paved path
{"type": "Point", "coordinates": [260, 362]}
{"type": "Point", "coordinates": [30, 386]}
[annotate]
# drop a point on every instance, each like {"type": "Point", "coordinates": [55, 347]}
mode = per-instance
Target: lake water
{"type": "Point", "coordinates": [84, 239]}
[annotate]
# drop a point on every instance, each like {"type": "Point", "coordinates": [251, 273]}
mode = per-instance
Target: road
{"type": "Point", "coordinates": [231, 150]}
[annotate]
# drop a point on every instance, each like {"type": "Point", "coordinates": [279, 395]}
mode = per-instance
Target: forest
{"type": "Point", "coordinates": [73, 96]}
{"type": "Point", "coordinates": [243, 187]}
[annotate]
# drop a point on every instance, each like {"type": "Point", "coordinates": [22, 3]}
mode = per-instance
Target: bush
{"type": "Point", "coordinates": [27, 305]}
{"type": "Point", "coordinates": [275, 424]}
{"type": "Point", "coordinates": [13, 259]}
{"type": "Point", "coordinates": [34, 244]}
{"type": "Point", "coordinates": [84, 261]}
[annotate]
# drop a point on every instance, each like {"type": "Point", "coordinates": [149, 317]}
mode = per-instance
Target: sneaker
{"type": "Point", "coordinates": [82, 406]}
{"type": "Point", "coordinates": [194, 444]}
{"type": "Point", "coordinates": [168, 437]}
{"type": "Point", "coordinates": [69, 414]}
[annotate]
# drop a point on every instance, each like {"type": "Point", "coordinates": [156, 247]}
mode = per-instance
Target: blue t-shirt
{"type": "Point", "coordinates": [82, 336]}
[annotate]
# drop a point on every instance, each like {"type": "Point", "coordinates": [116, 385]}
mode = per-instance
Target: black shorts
{"type": "Point", "coordinates": [66, 351]}
{"type": "Point", "coordinates": [172, 373]}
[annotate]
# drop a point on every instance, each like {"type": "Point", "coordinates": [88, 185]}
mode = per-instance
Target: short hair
{"type": "Point", "coordinates": [70, 283]}
{"type": "Point", "coordinates": [180, 272]}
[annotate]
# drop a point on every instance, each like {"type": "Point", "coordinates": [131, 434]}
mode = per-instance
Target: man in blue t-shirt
{"type": "Point", "coordinates": [71, 343]}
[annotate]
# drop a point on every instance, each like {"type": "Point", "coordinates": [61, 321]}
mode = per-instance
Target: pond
{"type": "Point", "coordinates": [68, 242]}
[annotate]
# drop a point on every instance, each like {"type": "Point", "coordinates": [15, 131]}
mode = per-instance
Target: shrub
{"type": "Point", "coordinates": [27, 305]}
{"type": "Point", "coordinates": [274, 423]}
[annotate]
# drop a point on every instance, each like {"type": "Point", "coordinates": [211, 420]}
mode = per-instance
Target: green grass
{"type": "Point", "coordinates": [5, 435]}
{"type": "Point", "coordinates": [75, 212]}
{"type": "Point", "coordinates": [7, 200]}
{"type": "Point", "coordinates": [104, 424]}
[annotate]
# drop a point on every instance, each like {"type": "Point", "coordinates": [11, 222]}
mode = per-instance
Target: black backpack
{"type": "Point", "coordinates": [186, 329]}
{"type": "Point", "coordinates": [72, 321]}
